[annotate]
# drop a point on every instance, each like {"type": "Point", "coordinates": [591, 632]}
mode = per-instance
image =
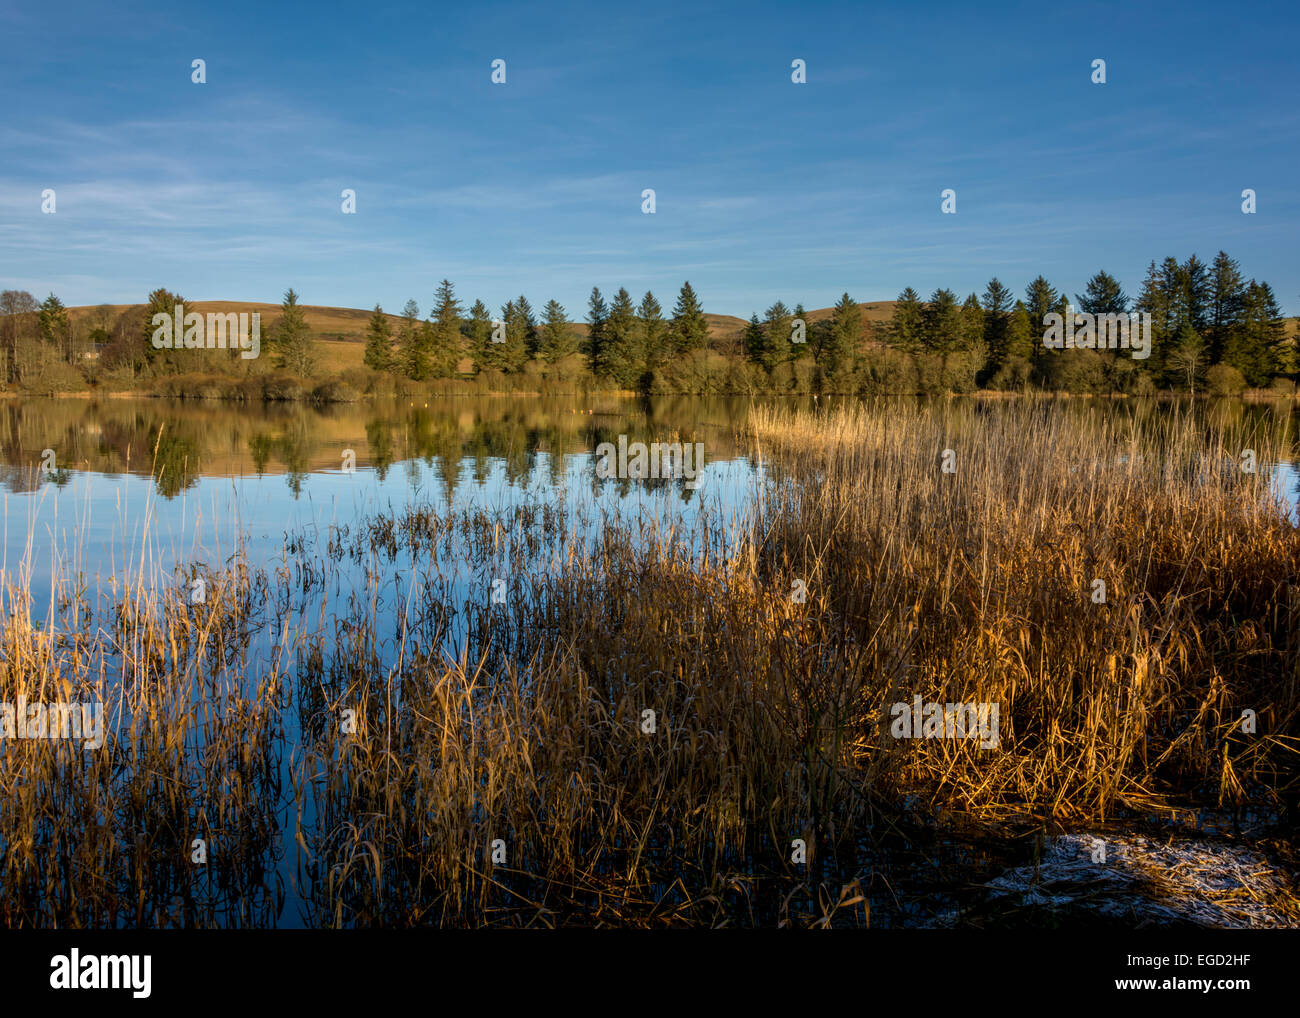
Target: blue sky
{"type": "Point", "coordinates": [765, 189]}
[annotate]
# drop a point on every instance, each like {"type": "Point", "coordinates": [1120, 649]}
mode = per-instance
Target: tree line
{"type": "Point", "coordinates": [1208, 322]}
{"type": "Point", "coordinates": [624, 341]}
{"type": "Point", "coordinates": [1210, 326]}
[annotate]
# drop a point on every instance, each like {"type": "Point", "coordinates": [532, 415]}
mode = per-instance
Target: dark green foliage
{"type": "Point", "coordinates": [941, 324]}
{"type": "Point", "coordinates": [597, 318]}
{"type": "Point", "coordinates": [444, 333]}
{"type": "Point", "coordinates": [654, 331]}
{"type": "Point", "coordinates": [291, 338]}
{"type": "Point", "coordinates": [379, 341]}
{"type": "Point", "coordinates": [843, 338]}
{"type": "Point", "coordinates": [906, 327]}
{"type": "Point", "coordinates": [623, 356]}
{"type": "Point", "coordinates": [556, 337]}
{"type": "Point", "coordinates": [997, 302]}
{"type": "Point", "coordinates": [689, 329]}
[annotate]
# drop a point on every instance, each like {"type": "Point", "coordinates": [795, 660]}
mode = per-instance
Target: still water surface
{"type": "Point", "coordinates": [154, 483]}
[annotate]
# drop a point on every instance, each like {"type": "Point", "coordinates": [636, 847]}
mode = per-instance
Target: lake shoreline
{"type": "Point", "coordinates": [1250, 395]}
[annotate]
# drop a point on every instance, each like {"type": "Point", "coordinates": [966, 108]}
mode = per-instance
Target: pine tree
{"type": "Point", "coordinates": [843, 338]}
{"type": "Point", "coordinates": [755, 341]}
{"type": "Point", "coordinates": [295, 347]}
{"type": "Point", "coordinates": [597, 318]}
{"type": "Point", "coordinates": [776, 332]}
{"type": "Point", "coordinates": [810, 342]}
{"type": "Point", "coordinates": [1198, 288]}
{"type": "Point", "coordinates": [479, 336]}
{"type": "Point", "coordinates": [1173, 286]}
{"type": "Point", "coordinates": [1280, 349]}
{"type": "Point", "coordinates": [972, 324]}
{"type": "Point", "coordinates": [161, 302]}
{"type": "Point", "coordinates": [556, 338]}
{"type": "Point", "coordinates": [941, 323]}
{"type": "Point", "coordinates": [1041, 299]}
{"type": "Point", "coordinates": [1020, 333]}
{"type": "Point", "coordinates": [410, 343]}
{"type": "Point", "coordinates": [1156, 300]}
{"type": "Point", "coordinates": [997, 300]}
{"type": "Point", "coordinates": [1227, 294]}
{"type": "Point", "coordinates": [907, 325]}
{"type": "Point", "coordinates": [528, 322]}
{"type": "Point", "coordinates": [1257, 345]}
{"type": "Point", "coordinates": [55, 327]}
{"type": "Point", "coordinates": [514, 352]}
{"type": "Point", "coordinates": [623, 359]}
{"type": "Point", "coordinates": [1104, 296]}
{"type": "Point", "coordinates": [689, 329]}
{"type": "Point", "coordinates": [379, 341]}
{"type": "Point", "coordinates": [444, 340]}
{"type": "Point", "coordinates": [654, 331]}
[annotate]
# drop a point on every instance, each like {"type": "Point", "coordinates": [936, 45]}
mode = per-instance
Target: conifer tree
{"type": "Point", "coordinates": [1227, 296]}
{"type": "Point", "coordinates": [1104, 296]}
{"type": "Point", "coordinates": [379, 341]}
{"type": "Point", "coordinates": [1041, 299]}
{"type": "Point", "coordinates": [556, 338]}
{"type": "Point", "coordinates": [410, 343]}
{"type": "Point", "coordinates": [1256, 345]}
{"type": "Point", "coordinates": [514, 352]}
{"type": "Point", "coordinates": [161, 301]}
{"type": "Point", "coordinates": [55, 327]}
{"type": "Point", "coordinates": [972, 325]}
{"type": "Point", "coordinates": [1021, 333]}
{"type": "Point", "coordinates": [479, 335]}
{"type": "Point", "coordinates": [906, 327]}
{"type": "Point", "coordinates": [528, 322]}
{"type": "Point", "coordinates": [843, 337]}
{"type": "Point", "coordinates": [1173, 286]}
{"type": "Point", "coordinates": [689, 329]}
{"type": "Point", "coordinates": [755, 342]}
{"type": "Point", "coordinates": [444, 333]}
{"type": "Point", "coordinates": [654, 331]}
{"type": "Point", "coordinates": [294, 345]}
{"type": "Point", "coordinates": [597, 317]}
{"type": "Point", "coordinates": [776, 336]}
{"type": "Point", "coordinates": [1155, 300]}
{"type": "Point", "coordinates": [941, 322]}
{"type": "Point", "coordinates": [1197, 285]}
{"type": "Point", "coordinates": [623, 358]}
{"type": "Point", "coordinates": [997, 300]}
{"type": "Point", "coordinates": [810, 342]}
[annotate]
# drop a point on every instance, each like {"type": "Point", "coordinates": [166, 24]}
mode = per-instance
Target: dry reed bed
{"type": "Point", "coordinates": [104, 837]}
{"type": "Point", "coordinates": [988, 572]}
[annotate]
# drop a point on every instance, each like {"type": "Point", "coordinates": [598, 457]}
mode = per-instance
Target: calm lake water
{"type": "Point", "coordinates": [156, 484]}
{"type": "Point", "coordinates": [152, 484]}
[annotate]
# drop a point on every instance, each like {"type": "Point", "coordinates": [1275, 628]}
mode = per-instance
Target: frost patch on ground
{"type": "Point", "coordinates": [1130, 876]}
